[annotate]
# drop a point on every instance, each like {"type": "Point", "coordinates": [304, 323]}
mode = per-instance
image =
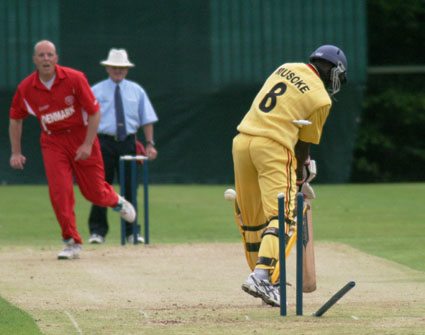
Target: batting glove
{"type": "Point", "coordinates": [309, 170]}
{"type": "Point", "coordinates": [309, 173]}
{"type": "Point", "coordinates": [307, 190]}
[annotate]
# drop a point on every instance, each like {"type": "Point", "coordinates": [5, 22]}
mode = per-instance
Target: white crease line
{"type": "Point", "coordinates": [74, 322]}
{"type": "Point", "coordinates": [354, 317]}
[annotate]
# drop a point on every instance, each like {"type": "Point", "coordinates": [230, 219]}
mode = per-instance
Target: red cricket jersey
{"type": "Point", "coordinates": [66, 105]}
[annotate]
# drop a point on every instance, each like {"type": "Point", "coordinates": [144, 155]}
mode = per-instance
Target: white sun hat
{"type": "Point", "coordinates": [118, 58]}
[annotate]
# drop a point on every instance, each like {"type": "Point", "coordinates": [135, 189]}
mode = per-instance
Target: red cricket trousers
{"type": "Point", "coordinates": [59, 151]}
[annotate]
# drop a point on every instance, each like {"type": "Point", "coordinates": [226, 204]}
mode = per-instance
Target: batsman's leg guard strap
{"type": "Point", "coordinates": [287, 220]}
{"type": "Point", "coordinates": [271, 231]}
{"type": "Point", "coordinates": [252, 247]}
{"type": "Point", "coordinates": [257, 228]}
{"type": "Point", "coordinates": [266, 261]}
{"type": "Point", "coordinates": [254, 228]}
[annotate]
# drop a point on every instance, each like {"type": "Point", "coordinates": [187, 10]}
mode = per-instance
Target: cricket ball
{"type": "Point", "coordinates": [229, 194]}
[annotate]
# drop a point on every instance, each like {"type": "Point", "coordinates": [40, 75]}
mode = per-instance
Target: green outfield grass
{"type": "Point", "coordinates": [386, 220]}
{"type": "Point", "coordinates": [15, 321]}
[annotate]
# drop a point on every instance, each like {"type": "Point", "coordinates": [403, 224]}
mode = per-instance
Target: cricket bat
{"type": "Point", "coordinates": [309, 266]}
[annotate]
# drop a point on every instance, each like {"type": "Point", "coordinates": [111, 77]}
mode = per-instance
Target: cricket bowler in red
{"type": "Point", "coordinates": [61, 99]}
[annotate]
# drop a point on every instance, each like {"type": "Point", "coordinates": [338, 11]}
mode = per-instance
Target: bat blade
{"type": "Point", "coordinates": [309, 265]}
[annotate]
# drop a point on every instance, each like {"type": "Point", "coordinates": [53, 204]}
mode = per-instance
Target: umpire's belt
{"type": "Point", "coordinates": [115, 138]}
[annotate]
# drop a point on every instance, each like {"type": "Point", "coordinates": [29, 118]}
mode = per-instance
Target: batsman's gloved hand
{"type": "Point", "coordinates": [309, 173]}
{"type": "Point", "coordinates": [306, 189]}
{"type": "Point", "coordinates": [309, 170]}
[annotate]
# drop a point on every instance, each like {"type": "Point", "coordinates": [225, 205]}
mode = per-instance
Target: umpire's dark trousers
{"type": "Point", "coordinates": [112, 149]}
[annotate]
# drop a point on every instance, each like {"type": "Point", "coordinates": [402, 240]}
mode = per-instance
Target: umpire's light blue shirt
{"type": "Point", "coordinates": [138, 109]}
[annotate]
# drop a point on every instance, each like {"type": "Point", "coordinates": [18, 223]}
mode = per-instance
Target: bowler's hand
{"type": "Point", "coordinates": [17, 161]}
{"type": "Point", "coordinates": [151, 152]}
{"type": "Point", "coordinates": [83, 152]}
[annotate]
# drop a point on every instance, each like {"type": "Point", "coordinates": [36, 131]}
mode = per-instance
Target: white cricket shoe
{"type": "Point", "coordinates": [71, 251]}
{"type": "Point", "coordinates": [262, 289]}
{"type": "Point", "coordinates": [140, 239]}
{"type": "Point", "coordinates": [126, 209]}
{"type": "Point", "coordinates": [96, 239]}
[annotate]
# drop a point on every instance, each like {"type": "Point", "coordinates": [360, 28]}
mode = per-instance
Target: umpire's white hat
{"type": "Point", "coordinates": [118, 58]}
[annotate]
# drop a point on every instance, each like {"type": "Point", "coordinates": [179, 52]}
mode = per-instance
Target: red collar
{"type": "Point", "coordinates": [314, 69]}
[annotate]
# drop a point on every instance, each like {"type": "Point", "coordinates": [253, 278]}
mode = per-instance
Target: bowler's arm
{"type": "Point", "coordinates": [17, 160]}
{"type": "Point", "coordinates": [84, 151]}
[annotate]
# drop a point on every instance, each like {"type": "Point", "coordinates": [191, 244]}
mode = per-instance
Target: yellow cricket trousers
{"type": "Point", "coordinates": [263, 169]}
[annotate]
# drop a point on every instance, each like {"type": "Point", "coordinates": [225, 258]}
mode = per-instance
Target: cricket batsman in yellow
{"type": "Point", "coordinates": [272, 150]}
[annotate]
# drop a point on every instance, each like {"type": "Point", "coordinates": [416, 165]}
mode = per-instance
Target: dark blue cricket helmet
{"type": "Point", "coordinates": [337, 57]}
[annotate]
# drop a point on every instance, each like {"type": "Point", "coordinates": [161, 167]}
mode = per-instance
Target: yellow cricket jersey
{"type": "Point", "coordinates": [293, 92]}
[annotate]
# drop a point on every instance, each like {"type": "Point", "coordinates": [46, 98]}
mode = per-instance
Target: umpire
{"type": "Point", "coordinates": [125, 107]}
